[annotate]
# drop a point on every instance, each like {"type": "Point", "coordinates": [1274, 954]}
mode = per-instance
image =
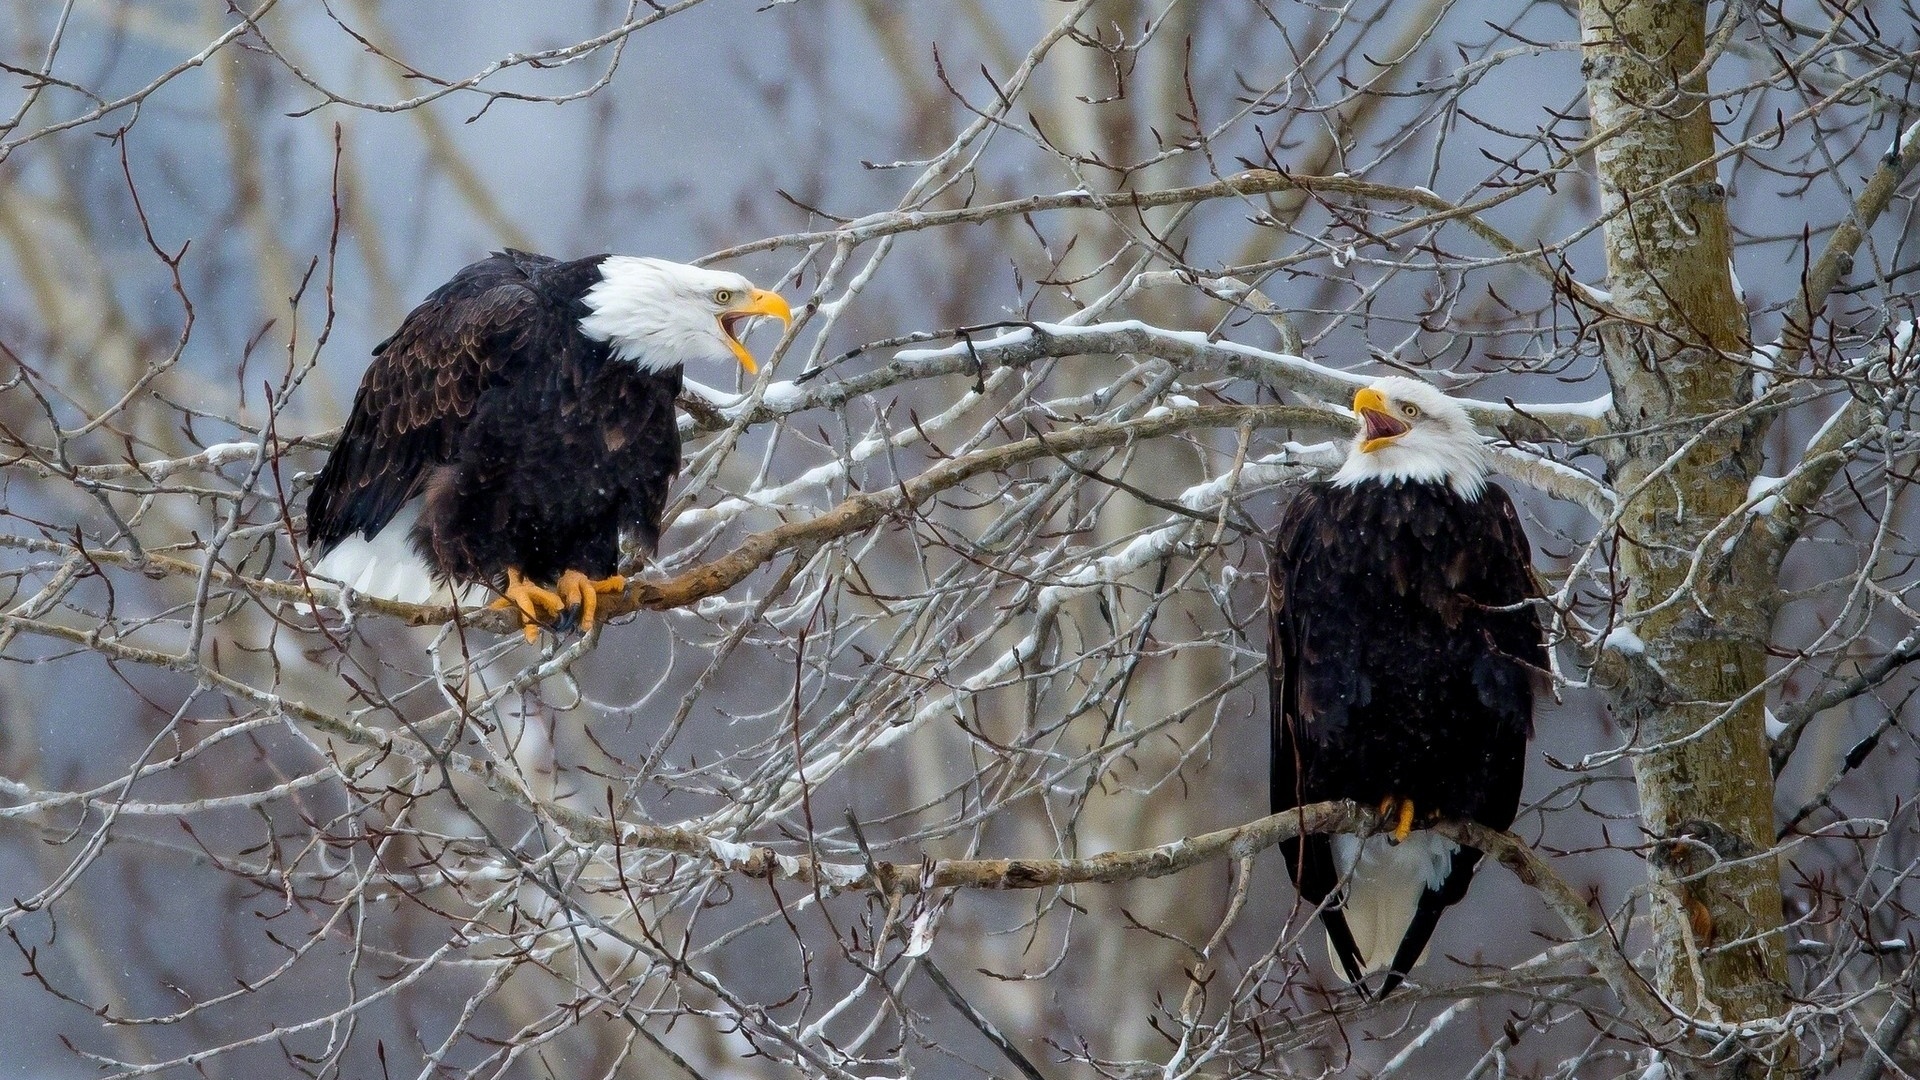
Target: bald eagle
{"type": "Point", "coordinates": [1402, 661]}
{"type": "Point", "coordinates": [516, 425]}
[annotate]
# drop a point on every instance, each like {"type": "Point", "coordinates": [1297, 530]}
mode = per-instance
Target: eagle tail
{"type": "Point", "coordinates": [1393, 899]}
{"type": "Point", "coordinates": [1413, 943]}
{"type": "Point", "coordinates": [1341, 946]}
{"type": "Point", "coordinates": [388, 567]}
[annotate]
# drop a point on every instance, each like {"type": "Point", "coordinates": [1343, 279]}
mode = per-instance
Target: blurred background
{"type": "Point", "coordinates": [213, 864]}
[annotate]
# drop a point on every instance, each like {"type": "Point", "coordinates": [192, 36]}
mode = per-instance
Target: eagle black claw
{"type": "Point", "coordinates": [534, 603]}
{"type": "Point", "coordinates": [581, 595]}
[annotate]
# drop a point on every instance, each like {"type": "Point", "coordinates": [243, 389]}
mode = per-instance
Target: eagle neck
{"type": "Point", "coordinates": [1439, 488]}
{"type": "Point", "coordinates": [1465, 472]}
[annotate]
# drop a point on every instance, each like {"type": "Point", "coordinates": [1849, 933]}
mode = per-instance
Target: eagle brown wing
{"type": "Point", "coordinates": [1309, 859]}
{"type": "Point", "coordinates": [1283, 650]}
{"type": "Point", "coordinates": [1518, 632]}
{"type": "Point", "coordinates": [476, 332]}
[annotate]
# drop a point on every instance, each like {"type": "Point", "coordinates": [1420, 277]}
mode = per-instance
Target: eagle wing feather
{"type": "Point", "coordinates": [1309, 859]}
{"type": "Point", "coordinates": [470, 336]}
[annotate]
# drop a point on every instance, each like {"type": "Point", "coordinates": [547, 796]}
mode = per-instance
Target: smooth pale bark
{"type": "Point", "coordinates": [1703, 613]}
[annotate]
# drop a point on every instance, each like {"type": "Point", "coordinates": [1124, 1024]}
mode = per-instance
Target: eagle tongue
{"type": "Point", "coordinates": [1382, 426]}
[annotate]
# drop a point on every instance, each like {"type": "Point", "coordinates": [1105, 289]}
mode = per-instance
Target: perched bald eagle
{"type": "Point", "coordinates": [1403, 658]}
{"type": "Point", "coordinates": [516, 425]}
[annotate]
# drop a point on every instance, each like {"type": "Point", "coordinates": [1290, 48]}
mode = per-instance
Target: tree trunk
{"type": "Point", "coordinates": [1690, 697]}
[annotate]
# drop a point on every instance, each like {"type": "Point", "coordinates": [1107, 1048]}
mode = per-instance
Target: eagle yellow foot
{"type": "Point", "coordinates": [582, 597]}
{"type": "Point", "coordinates": [536, 605]}
{"type": "Point", "coordinates": [573, 601]}
{"type": "Point", "coordinates": [1399, 811]}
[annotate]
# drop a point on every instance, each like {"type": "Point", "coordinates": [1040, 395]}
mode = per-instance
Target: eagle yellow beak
{"type": "Point", "coordinates": [1380, 425]}
{"type": "Point", "coordinates": [758, 302]}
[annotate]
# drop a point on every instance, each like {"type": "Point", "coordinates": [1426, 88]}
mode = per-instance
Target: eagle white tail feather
{"type": "Point", "coordinates": [1384, 883]}
{"type": "Point", "coordinates": [388, 567]}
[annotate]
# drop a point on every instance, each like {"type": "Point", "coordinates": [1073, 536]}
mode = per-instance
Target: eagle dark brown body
{"type": "Point", "coordinates": [1403, 657]}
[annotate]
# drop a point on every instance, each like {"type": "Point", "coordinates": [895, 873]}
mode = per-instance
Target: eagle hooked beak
{"type": "Point", "coordinates": [758, 302]}
{"type": "Point", "coordinates": [1381, 426]}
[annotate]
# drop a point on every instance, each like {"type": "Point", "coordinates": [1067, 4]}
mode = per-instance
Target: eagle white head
{"type": "Point", "coordinates": [1410, 431]}
{"type": "Point", "coordinates": [661, 314]}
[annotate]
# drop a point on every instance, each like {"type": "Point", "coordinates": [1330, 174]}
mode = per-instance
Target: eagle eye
{"type": "Point", "coordinates": [1411, 411]}
{"type": "Point", "coordinates": [723, 296]}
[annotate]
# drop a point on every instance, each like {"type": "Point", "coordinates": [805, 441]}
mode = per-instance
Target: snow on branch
{"type": "Point", "coordinates": [1195, 354]}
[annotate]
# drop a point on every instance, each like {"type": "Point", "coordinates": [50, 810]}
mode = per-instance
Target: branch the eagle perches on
{"type": "Point", "coordinates": [865, 510]}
